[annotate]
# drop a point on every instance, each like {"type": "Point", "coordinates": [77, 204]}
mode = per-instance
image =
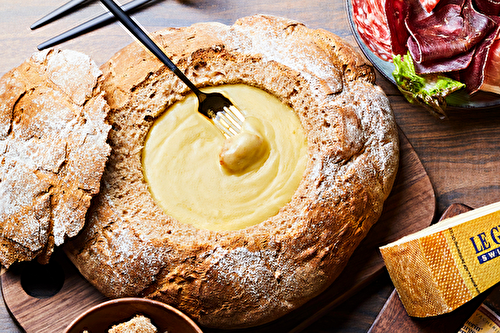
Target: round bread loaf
{"type": "Point", "coordinates": [247, 277]}
{"type": "Point", "coordinates": [53, 151]}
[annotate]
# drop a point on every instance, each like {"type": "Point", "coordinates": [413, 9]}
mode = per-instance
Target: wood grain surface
{"type": "Point", "coordinates": [460, 154]}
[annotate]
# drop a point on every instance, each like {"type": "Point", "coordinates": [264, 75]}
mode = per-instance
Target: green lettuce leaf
{"type": "Point", "coordinates": [429, 90]}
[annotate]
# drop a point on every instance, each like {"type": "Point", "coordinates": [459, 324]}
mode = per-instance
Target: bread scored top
{"type": "Point", "coordinates": [250, 276]}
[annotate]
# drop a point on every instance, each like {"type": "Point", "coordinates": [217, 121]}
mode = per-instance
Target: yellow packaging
{"type": "Point", "coordinates": [447, 264]}
{"type": "Point", "coordinates": [476, 250]}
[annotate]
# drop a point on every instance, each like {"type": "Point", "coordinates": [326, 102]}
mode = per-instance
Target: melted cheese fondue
{"type": "Point", "coordinates": [199, 177]}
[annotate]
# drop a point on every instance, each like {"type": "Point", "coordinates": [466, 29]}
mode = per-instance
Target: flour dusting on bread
{"type": "Point", "coordinates": [53, 151]}
{"type": "Point", "coordinates": [247, 277]}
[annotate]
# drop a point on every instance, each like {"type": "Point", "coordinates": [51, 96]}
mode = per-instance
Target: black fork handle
{"type": "Point", "coordinates": [143, 37]}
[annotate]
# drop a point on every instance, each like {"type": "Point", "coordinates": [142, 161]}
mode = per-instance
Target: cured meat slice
{"type": "Point", "coordinates": [488, 7]}
{"type": "Point", "coordinates": [491, 80]}
{"type": "Point", "coordinates": [473, 76]}
{"type": "Point", "coordinates": [458, 37]}
{"type": "Point", "coordinates": [484, 71]}
{"type": "Point", "coordinates": [384, 34]}
{"type": "Point", "coordinates": [373, 28]}
{"type": "Point", "coordinates": [442, 3]}
{"type": "Point", "coordinates": [396, 13]}
{"type": "Point", "coordinates": [448, 32]}
{"type": "Point", "coordinates": [459, 62]}
{"type": "Point", "coordinates": [429, 5]}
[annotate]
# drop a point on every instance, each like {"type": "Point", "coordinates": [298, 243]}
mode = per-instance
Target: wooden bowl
{"type": "Point", "coordinates": [102, 317]}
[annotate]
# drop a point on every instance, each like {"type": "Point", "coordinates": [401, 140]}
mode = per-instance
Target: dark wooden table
{"type": "Point", "coordinates": [461, 154]}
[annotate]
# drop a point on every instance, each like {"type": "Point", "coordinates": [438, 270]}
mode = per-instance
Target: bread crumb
{"type": "Point", "coordinates": [138, 324]}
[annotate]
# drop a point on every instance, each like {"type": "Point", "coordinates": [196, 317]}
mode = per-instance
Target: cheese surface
{"type": "Point", "coordinates": [183, 161]}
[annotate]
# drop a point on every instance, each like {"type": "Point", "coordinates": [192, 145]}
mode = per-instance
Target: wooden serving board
{"type": "Point", "coordinates": [409, 208]}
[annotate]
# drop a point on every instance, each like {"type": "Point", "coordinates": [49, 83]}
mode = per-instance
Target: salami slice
{"type": "Point", "coordinates": [371, 23]}
{"type": "Point", "coordinates": [380, 23]}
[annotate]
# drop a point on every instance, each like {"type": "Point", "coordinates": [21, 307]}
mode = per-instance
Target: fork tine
{"type": "Point", "coordinates": [67, 7]}
{"type": "Point", "coordinates": [229, 117]}
{"type": "Point", "coordinates": [229, 121]}
{"type": "Point", "coordinates": [90, 25]}
{"type": "Point", "coordinates": [227, 131]}
{"type": "Point", "coordinates": [236, 114]}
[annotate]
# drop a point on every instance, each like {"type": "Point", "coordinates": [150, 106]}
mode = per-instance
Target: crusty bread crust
{"type": "Point", "coordinates": [53, 151]}
{"type": "Point", "coordinates": [246, 277]}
